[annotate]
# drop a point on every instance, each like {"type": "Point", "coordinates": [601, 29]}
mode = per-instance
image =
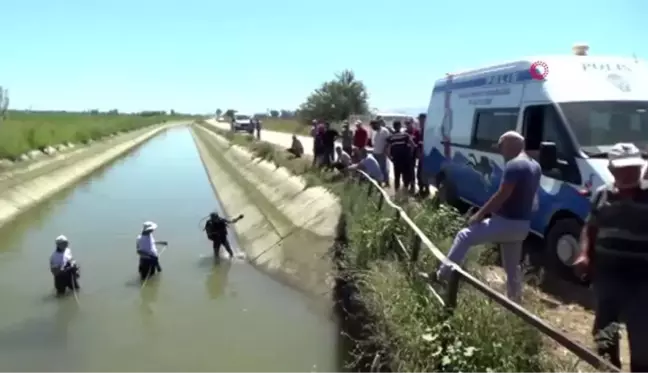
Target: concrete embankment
{"type": "Point", "coordinates": [23, 187]}
{"type": "Point", "coordinates": [288, 227]}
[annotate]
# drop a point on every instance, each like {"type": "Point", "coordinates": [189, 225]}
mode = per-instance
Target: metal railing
{"type": "Point", "coordinates": [418, 241]}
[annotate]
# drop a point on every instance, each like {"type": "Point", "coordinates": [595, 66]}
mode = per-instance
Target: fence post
{"type": "Point", "coordinates": [416, 247]}
{"type": "Point", "coordinates": [381, 200]}
{"type": "Point", "coordinates": [392, 237]}
{"type": "Point", "coordinates": [452, 291]}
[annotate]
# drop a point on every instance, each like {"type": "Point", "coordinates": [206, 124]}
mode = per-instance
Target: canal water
{"type": "Point", "coordinates": [199, 315]}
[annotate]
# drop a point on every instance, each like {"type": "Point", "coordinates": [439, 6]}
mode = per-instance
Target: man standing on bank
{"type": "Point", "coordinates": [614, 244]}
{"type": "Point", "coordinates": [511, 207]}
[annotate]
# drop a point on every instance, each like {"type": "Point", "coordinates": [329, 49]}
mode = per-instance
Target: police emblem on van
{"type": "Point", "coordinates": [618, 81]}
{"type": "Point", "coordinates": [484, 168]}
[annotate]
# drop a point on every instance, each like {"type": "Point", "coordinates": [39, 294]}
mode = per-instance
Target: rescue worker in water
{"type": "Point", "coordinates": [146, 246]}
{"type": "Point", "coordinates": [216, 229]}
{"type": "Point", "coordinates": [63, 267]}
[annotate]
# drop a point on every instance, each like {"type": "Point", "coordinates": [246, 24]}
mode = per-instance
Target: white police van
{"type": "Point", "coordinates": [570, 109]}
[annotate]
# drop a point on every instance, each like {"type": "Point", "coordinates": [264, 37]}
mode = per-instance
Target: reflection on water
{"type": "Point", "coordinates": [217, 279]}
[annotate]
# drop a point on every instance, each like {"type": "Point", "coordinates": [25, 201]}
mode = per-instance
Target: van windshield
{"type": "Point", "coordinates": [601, 124]}
{"type": "Point", "coordinates": [242, 117]}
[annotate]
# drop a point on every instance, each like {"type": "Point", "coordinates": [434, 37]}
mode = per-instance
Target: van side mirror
{"type": "Point", "coordinates": [548, 156]}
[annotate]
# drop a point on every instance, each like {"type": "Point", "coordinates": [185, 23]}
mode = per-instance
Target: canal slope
{"type": "Point", "coordinates": [289, 227]}
{"type": "Point", "coordinates": [199, 315]}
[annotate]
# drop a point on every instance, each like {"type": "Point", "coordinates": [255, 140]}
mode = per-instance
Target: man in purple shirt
{"type": "Point", "coordinates": [510, 208]}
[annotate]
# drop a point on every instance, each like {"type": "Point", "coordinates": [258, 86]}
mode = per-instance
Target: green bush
{"type": "Point", "coordinates": [409, 328]}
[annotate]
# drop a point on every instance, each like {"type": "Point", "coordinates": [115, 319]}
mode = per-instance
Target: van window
{"type": "Point", "coordinates": [605, 123]}
{"type": "Point", "coordinates": [490, 124]}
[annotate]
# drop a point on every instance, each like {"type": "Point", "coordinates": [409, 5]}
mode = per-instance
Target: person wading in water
{"type": "Point", "coordinates": [63, 267]}
{"type": "Point", "coordinates": [216, 229]}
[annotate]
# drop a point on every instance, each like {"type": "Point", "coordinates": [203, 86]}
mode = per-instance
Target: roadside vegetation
{"type": "Point", "coordinates": [402, 327]}
{"type": "Point", "coordinates": [22, 131]}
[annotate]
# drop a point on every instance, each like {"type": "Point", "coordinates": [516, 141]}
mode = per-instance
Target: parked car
{"type": "Point", "coordinates": [242, 122]}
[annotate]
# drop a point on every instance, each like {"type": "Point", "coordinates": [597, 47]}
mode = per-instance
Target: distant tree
{"type": "Point", "coordinates": [113, 112]}
{"type": "Point", "coordinates": [172, 112]}
{"type": "Point", "coordinates": [229, 113]}
{"type": "Point", "coordinates": [286, 114]}
{"type": "Point", "coordinates": [337, 99]}
{"type": "Point", "coordinates": [4, 103]}
{"type": "Point", "coordinates": [274, 113]}
{"type": "Point", "coordinates": [219, 112]}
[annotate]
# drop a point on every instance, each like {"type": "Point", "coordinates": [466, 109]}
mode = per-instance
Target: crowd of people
{"type": "Point", "coordinates": [613, 241]}
{"type": "Point", "coordinates": [357, 148]}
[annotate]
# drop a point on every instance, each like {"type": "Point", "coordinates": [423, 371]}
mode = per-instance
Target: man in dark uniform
{"type": "Point", "coordinates": [422, 183]}
{"type": "Point", "coordinates": [614, 254]}
{"type": "Point", "coordinates": [216, 229]}
{"type": "Point", "coordinates": [400, 149]}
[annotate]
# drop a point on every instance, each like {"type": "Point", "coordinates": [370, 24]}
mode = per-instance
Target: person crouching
{"type": "Point", "coordinates": [149, 260]}
{"type": "Point", "coordinates": [63, 267]}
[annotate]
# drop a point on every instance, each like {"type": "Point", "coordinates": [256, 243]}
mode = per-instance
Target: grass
{"type": "Point", "coordinates": [406, 329]}
{"type": "Point", "coordinates": [286, 125]}
{"type": "Point", "coordinates": [21, 132]}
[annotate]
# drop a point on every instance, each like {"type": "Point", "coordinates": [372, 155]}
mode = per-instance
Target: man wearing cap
{"type": "Point", "coordinates": [147, 250]}
{"type": "Point", "coordinates": [63, 267]}
{"type": "Point", "coordinates": [510, 209]}
{"type": "Point", "coordinates": [614, 255]}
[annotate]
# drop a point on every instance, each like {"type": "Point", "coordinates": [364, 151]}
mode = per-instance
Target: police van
{"type": "Point", "coordinates": [571, 110]}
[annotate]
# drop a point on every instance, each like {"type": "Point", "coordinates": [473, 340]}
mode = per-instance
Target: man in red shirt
{"type": "Point", "coordinates": [360, 136]}
{"type": "Point", "coordinates": [415, 134]}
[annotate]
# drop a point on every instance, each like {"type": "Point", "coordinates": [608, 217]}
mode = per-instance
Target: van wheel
{"type": "Point", "coordinates": [446, 191]}
{"type": "Point", "coordinates": [562, 246]}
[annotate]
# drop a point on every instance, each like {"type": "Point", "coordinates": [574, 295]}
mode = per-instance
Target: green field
{"type": "Point", "coordinates": [24, 131]}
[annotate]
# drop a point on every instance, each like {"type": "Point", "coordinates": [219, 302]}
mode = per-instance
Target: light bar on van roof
{"type": "Point", "coordinates": [580, 49]}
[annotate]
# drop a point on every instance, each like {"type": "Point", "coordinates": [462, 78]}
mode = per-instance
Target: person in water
{"type": "Point", "coordinates": [149, 257]}
{"type": "Point", "coordinates": [216, 229]}
{"type": "Point", "coordinates": [63, 267]}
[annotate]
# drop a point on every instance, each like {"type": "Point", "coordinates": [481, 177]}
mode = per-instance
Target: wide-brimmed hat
{"type": "Point", "coordinates": [149, 226]}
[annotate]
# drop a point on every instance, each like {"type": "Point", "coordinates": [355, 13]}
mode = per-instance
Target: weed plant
{"type": "Point", "coordinates": [409, 329]}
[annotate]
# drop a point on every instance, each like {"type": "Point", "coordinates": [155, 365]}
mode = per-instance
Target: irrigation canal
{"type": "Point", "coordinates": [197, 316]}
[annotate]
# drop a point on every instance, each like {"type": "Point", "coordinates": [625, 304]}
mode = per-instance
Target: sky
{"type": "Point", "coordinates": [253, 55]}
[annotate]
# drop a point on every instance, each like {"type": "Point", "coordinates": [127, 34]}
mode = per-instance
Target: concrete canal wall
{"type": "Point", "coordinates": [288, 227]}
{"type": "Point", "coordinates": [23, 187]}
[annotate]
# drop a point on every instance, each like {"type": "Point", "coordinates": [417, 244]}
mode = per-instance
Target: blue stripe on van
{"type": "Point", "coordinates": [521, 76]}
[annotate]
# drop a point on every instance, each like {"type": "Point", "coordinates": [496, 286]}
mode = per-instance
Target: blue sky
{"type": "Point", "coordinates": [250, 55]}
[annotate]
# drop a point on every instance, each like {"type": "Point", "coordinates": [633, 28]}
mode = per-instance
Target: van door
{"type": "Point", "coordinates": [484, 163]}
{"type": "Point", "coordinates": [543, 124]}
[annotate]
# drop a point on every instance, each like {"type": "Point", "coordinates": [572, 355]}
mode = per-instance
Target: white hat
{"type": "Point", "coordinates": [149, 226]}
{"type": "Point", "coordinates": [61, 239]}
{"type": "Point", "coordinates": [625, 155]}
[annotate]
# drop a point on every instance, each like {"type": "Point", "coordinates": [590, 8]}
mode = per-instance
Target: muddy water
{"type": "Point", "coordinates": [199, 315]}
